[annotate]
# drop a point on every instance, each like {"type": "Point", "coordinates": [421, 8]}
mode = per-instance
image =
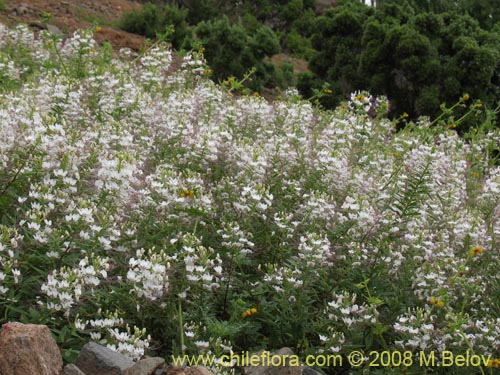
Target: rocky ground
{"type": "Point", "coordinates": [29, 349]}
{"type": "Point", "coordinates": [70, 15]}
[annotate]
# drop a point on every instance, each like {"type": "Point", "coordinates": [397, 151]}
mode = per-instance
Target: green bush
{"type": "Point", "coordinates": [298, 45]}
{"type": "Point", "coordinates": [264, 42]}
{"type": "Point", "coordinates": [291, 11]}
{"type": "Point", "coordinates": [201, 10]}
{"type": "Point", "coordinates": [231, 51]}
{"type": "Point", "coordinates": [152, 20]}
{"type": "Point", "coordinates": [419, 60]}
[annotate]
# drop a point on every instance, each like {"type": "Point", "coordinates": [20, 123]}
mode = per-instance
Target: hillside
{"type": "Point", "coordinates": [71, 15]}
{"type": "Point", "coordinates": [146, 207]}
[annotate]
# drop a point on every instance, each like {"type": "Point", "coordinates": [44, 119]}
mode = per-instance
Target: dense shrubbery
{"type": "Point", "coordinates": [420, 54]}
{"type": "Point", "coordinates": [152, 21]}
{"type": "Point", "coordinates": [419, 60]}
{"type": "Point", "coordinates": [236, 38]}
{"type": "Point", "coordinates": [231, 51]}
{"type": "Point", "coordinates": [137, 200]}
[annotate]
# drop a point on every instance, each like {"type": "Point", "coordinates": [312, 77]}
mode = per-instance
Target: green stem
{"type": "Point", "coordinates": [471, 349]}
{"type": "Point", "coordinates": [181, 327]}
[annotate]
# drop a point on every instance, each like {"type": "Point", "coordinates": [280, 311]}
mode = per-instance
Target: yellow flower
{"type": "Point", "coordinates": [405, 115]}
{"type": "Point", "coordinates": [256, 94]}
{"type": "Point", "coordinates": [452, 126]}
{"type": "Point", "coordinates": [327, 91]}
{"type": "Point", "coordinates": [494, 363]}
{"type": "Point", "coordinates": [476, 250]}
{"type": "Point", "coordinates": [359, 97]}
{"type": "Point", "coordinates": [98, 28]}
{"type": "Point", "coordinates": [207, 71]}
{"type": "Point", "coordinates": [466, 97]}
{"type": "Point", "coordinates": [187, 193]}
{"type": "Point", "coordinates": [432, 300]}
{"type": "Point", "coordinates": [439, 303]}
{"type": "Point", "coordinates": [249, 312]}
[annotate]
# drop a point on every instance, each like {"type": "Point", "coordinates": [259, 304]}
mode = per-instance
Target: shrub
{"type": "Point", "coordinates": [152, 20]}
{"type": "Point", "coordinates": [231, 51]}
{"type": "Point", "coordinates": [146, 208]}
{"type": "Point", "coordinates": [419, 60]}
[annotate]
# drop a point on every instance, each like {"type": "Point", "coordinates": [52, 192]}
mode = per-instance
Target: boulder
{"type": "Point", "coordinates": [288, 364]}
{"type": "Point", "coordinates": [72, 370]}
{"type": "Point", "coordinates": [27, 349]}
{"type": "Point", "coordinates": [194, 370]}
{"type": "Point", "coordinates": [146, 366]}
{"type": "Point", "coordinates": [175, 370]}
{"type": "Point", "coordinates": [281, 367]}
{"type": "Point", "coordinates": [54, 30]}
{"type": "Point", "coordinates": [198, 370]}
{"type": "Point", "coordinates": [95, 359]}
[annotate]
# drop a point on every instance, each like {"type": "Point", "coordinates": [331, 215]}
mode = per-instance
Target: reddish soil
{"type": "Point", "coordinates": [70, 15]}
{"type": "Point", "coordinates": [299, 65]}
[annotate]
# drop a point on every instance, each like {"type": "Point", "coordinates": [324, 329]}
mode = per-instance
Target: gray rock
{"type": "Point", "coordinates": [146, 366]}
{"type": "Point", "coordinates": [95, 359]}
{"type": "Point", "coordinates": [198, 370]}
{"type": "Point", "coordinates": [54, 30]}
{"type": "Point", "coordinates": [21, 9]}
{"type": "Point", "coordinates": [72, 370]}
{"type": "Point", "coordinates": [281, 367]}
{"type": "Point", "coordinates": [310, 371]}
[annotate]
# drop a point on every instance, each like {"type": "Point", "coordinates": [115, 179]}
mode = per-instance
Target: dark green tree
{"type": "Point", "coordinates": [152, 19]}
{"type": "Point", "coordinates": [337, 41]}
{"type": "Point", "coordinates": [419, 59]}
{"type": "Point", "coordinates": [231, 51]}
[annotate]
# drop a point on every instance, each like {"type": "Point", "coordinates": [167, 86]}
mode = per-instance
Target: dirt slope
{"type": "Point", "coordinates": [69, 15]}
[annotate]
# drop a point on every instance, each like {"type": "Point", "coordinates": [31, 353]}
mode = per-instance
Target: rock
{"type": "Point", "coordinates": [21, 9]}
{"type": "Point", "coordinates": [197, 370]}
{"type": "Point", "coordinates": [54, 30]}
{"type": "Point", "coordinates": [27, 349]}
{"type": "Point", "coordinates": [310, 371]}
{"type": "Point", "coordinates": [146, 366]}
{"type": "Point", "coordinates": [72, 370]}
{"type": "Point", "coordinates": [269, 366]}
{"type": "Point", "coordinates": [95, 359]}
{"type": "Point", "coordinates": [174, 370]}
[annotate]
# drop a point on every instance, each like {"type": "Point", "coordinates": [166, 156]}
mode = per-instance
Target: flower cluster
{"type": "Point", "coordinates": [115, 334]}
{"type": "Point", "coordinates": [65, 287]}
{"type": "Point", "coordinates": [132, 183]}
{"type": "Point", "coordinates": [148, 274]}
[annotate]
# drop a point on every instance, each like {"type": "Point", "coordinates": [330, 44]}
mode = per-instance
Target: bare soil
{"type": "Point", "coordinates": [71, 15]}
